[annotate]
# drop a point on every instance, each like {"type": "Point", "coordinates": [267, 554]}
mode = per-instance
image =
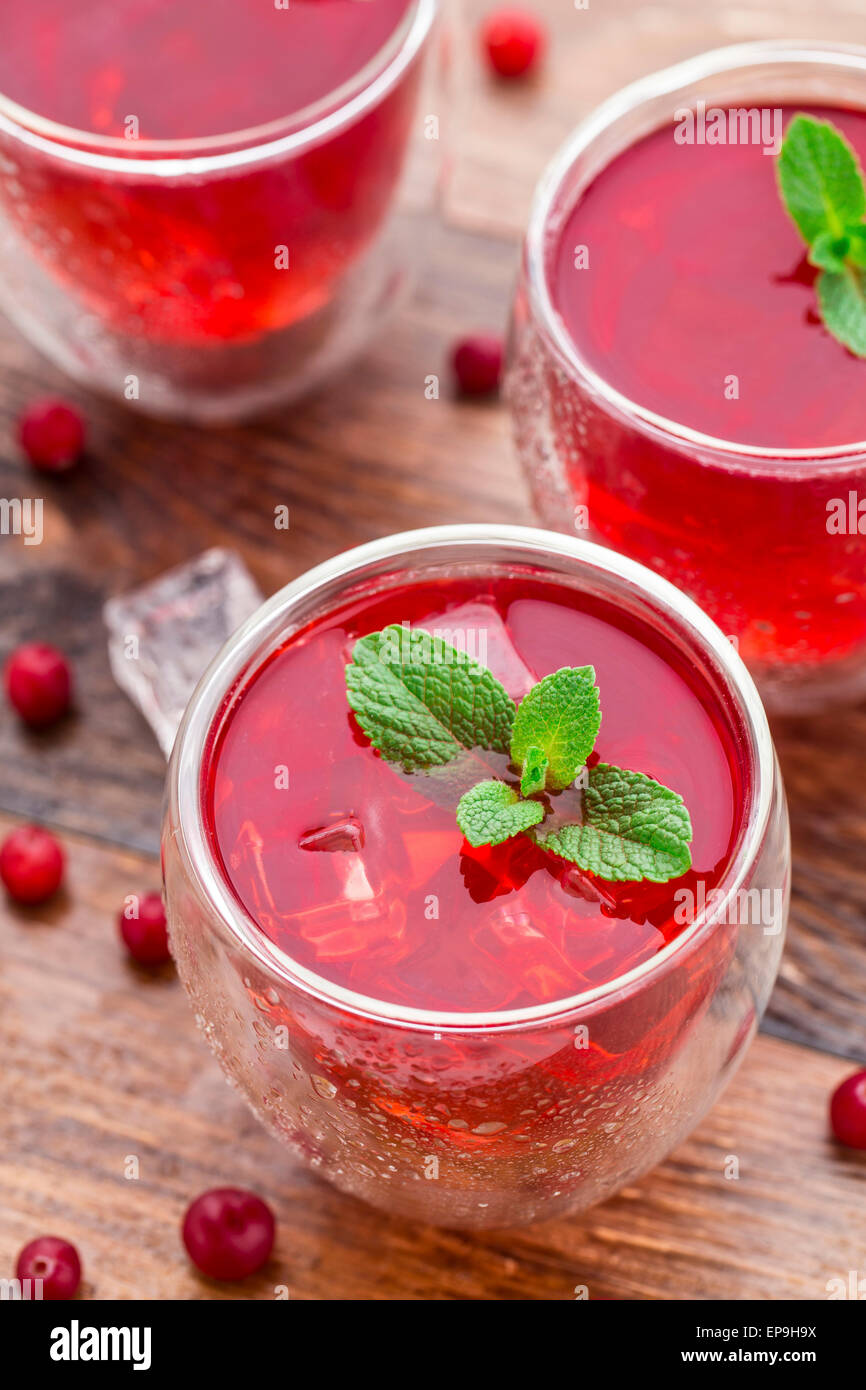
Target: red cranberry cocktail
{"type": "Point", "coordinates": [675, 391]}
{"type": "Point", "coordinates": [477, 867]}
{"type": "Point", "coordinates": [198, 197]}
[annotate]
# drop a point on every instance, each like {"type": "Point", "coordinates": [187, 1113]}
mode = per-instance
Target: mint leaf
{"type": "Point", "coordinates": [633, 828]}
{"type": "Point", "coordinates": [534, 771]}
{"type": "Point", "coordinates": [421, 701]}
{"type": "Point", "coordinates": [856, 237]}
{"type": "Point", "coordinates": [821, 183]}
{"type": "Point", "coordinates": [842, 298]}
{"type": "Point", "coordinates": [560, 717]}
{"type": "Point", "coordinates": [829, 252]}
{"type": "Point", "coordinates": [820, 179]}
{"type": "Point", "coordinates": [492, 812]}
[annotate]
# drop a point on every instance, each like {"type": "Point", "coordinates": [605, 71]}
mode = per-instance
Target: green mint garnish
{"type": "Point", "coordinates": [533, 775]}
{"type": "Point", "coordinates": [561, 716]}
{"type": "Point", "coordinates": [421, 703]}
{"type": "Point", "coordinates": [822, 187]}
{"type": "Point", "coordinates": [492, 812]}
{"type": "Point", "coordinates": [842, 301]}
{"type": "Point", "coordinates": [633, 828]}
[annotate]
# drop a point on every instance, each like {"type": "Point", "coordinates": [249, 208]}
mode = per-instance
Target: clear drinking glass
{"type": "Point", "coordinates": [209, 278]}
{"type": "Point", "coordinates": [346, 1081]}
{"type": "Point", "coordinates": [743, 529]}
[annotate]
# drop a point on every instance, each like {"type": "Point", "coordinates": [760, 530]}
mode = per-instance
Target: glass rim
{"type": "Point", "coordinates": [234, 149]}
{"type": "Point", "coordinates": [623, 103]}
{"type": "Point", "coordinates": [208, 877]}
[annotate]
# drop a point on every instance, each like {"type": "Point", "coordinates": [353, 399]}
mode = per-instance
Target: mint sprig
{"type": "Point", "coordinates": [823, 190]}
{"type": "Point", "coordinates": [560, 717]}
{"type": "Point", "coordinates": [633, 828]}
{"type": "Point", "coordinates": [493, 812]}
{"type": "Point", "coordinates": [422, 703]}
{"type": "Point", "coordinates": [533, 774]}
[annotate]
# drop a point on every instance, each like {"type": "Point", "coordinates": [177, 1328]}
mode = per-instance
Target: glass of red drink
{"type": "Point", "coordinates": [674, 392]}
{"type": "Point", "coordinates": [470, 1036]}
{"type": "Point", "coordinates": [206, 208]}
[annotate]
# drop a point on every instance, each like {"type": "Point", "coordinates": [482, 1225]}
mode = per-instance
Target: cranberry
{"type": "Point", "coordinates": [38, 683]}
{"type": "Point", "coordinates": [477, 363]}
{"type": "Point", "coordinates": [513, 41]}
{"type": "Point", "coordinates": [848, 1111]}
{"type": "Point", "coordinates": [55, 1262]}
{"type": "Point", "coordinates": [31, 864]}
{"type": "Point", "coordinates": [144, 932]}
{"type": "Point", "coordinates": [52, 435]}
{"type": "Point", "coordinates": [228, 1232]}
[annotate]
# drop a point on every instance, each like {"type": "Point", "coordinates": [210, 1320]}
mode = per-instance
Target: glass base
{"type": "Point", "coordinates": [213, 382]}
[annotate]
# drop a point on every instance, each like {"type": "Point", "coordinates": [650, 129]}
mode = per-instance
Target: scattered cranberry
{"type": "Point", "coordinates": [52, 435]}
{"type": "Point", "coordinates": [31, 864]}
{"type": "Point", "coordinates": [848, 1111]}
{"type": "Point", "coordinates": [55, 1262]}
{"type": "Point", "coordinates": [228, 1232]}
{"type": "Point", "coordinates": [145, 935]}
{"type": "Point", "coordinates": [513, 41]}
{"type": "Point", "coordinates": [477, 365]}
{"type": "Point", "coordinates": [38, 683]}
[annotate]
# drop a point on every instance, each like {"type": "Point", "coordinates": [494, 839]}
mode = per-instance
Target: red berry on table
{"type": "Point", "coordinates": [228, 1232]}
{"type": "Point", "coordinates": [513, 40]}
{"type": "Point", "coordinates": [52, 435]}
{"type": "Point", "coordinates": [848, 1111]}
{"type": "Point", "coordinates": [55, 1262]}
{"type": "Point", "coordinates": [38, 683]}
{"type": "Point", "coordinates": [143, 929]}
{"type": "Point", "coordinates": [31, 864]}
{"type": "Point", "coordinates": [477, 364]}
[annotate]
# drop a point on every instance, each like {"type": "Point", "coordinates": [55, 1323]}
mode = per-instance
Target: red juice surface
{"type": "Point", "coordinates": [696, 272]}
{"type": "Point", "coordinates": [184, 68]}
{"type": "Point", "coordinates": [399, 908]}
{"type": "Point", "coordinates": [231, 254]}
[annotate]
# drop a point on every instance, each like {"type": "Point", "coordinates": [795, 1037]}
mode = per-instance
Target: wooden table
{"type": "Point", "coordinates": [101, 1061]}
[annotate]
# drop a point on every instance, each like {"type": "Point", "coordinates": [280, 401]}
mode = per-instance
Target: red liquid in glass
{"type": "Point", "coordinates": [194, 260]}
{"type": "Point", "coordinates": [696, 274]}
{"type": "Point", "coordinates": [386, 899]}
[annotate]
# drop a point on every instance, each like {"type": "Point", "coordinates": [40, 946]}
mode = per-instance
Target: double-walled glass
{"type": "Point", "coordinates": [746, 531]}
{"type": "Point", "coordinates": [551, 1108]}
{"type": "Point", "coordinates": [211, 277]}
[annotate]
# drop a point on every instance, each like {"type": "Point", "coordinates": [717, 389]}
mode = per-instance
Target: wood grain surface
{"type": "Point", "coordinates": [101, 1062]}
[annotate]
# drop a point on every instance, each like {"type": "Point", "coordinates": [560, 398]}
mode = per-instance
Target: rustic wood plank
{"type": "Point", "coordinates": [102, 1061]}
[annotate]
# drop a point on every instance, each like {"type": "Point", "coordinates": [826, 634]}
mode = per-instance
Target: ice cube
{"type": "Point", "coordinates": [348, 931]}
{"type": "Point", "coordinates": [344, 834]}
{"type": "Point", "coordinates": [163, 635]}
{"type": "Point", "coordinates": [478, 630]}
{"type": "Point", "coordinates": [510, 937]}
{"type": "Point", "coordinates": [582, 885]}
